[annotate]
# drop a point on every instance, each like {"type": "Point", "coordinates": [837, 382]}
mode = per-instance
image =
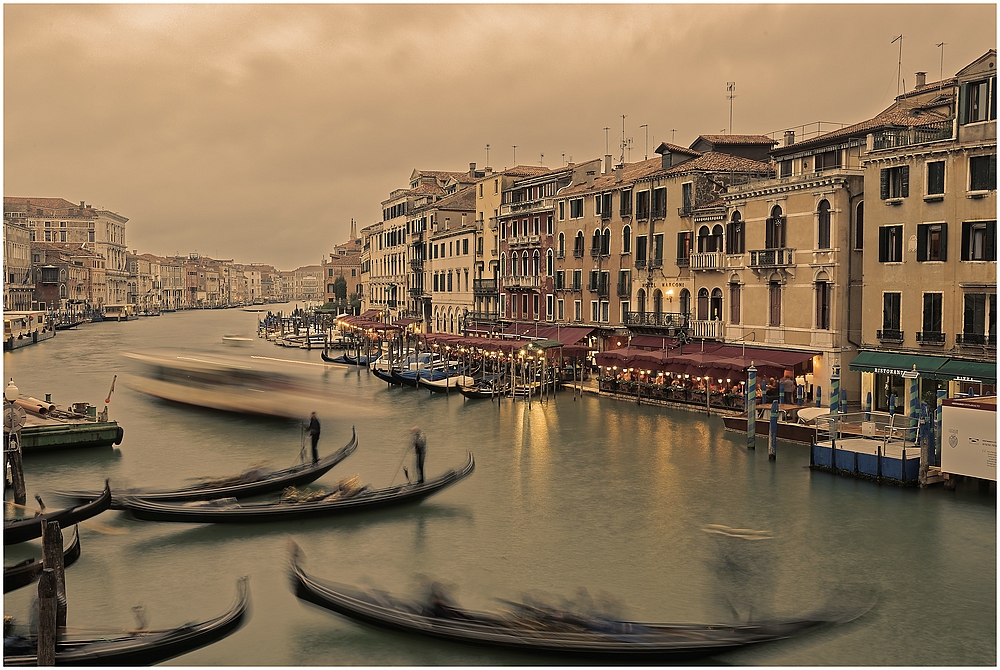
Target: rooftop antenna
{"type": "Point", "coordinates": [629, 147]}
{"type": "Point", "coordinates": [541, 160]}
{"type": "Point", "coordinates": [487, 155]}
{"type": "Point", "coordinates": [564, 158]}
{"type": "Point", "coordinates": [646, 147]}
{"type": "Point", "coordinates": [730, 94]}
{"type": "Point", "coordinates": [623, 139]}
{"type": "Point", "coordinates": [672, 131]}
{"type": "Point", "coordinates": [899, 64]}
{"type": "Point", "coordinates": [515, 154]}
{"type": "Point", "coordinates": [607, 142]}
{"type": "Point", "coordinates": [941, 75]}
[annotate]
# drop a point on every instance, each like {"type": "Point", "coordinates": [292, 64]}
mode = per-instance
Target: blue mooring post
{"type": "Point", "coordinates": [772, 442]}
{"type": "Point", "coordinates": [800, 392]}
{"type": "Point", "coordinates": [752, 407]}
{"type": "Point", "coordinates": [868, 406]}
{"type": "Point", "coordinates": [914, 403]}
{"type": "Point", "coordinates": [781, 392]}
{"type": "Point", "coordinates": [835, 390]}
{"type": "Point", "coordinates": [941, 395]}
{"type": "Point", "coordinates": [843, 400]}
{"type": "Point", "coordinates": [819, 395]}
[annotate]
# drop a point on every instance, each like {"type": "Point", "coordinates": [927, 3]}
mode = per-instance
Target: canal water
{"type": "Point", "coordinates": [593, 493]}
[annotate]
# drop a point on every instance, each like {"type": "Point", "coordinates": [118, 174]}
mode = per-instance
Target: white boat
{"type": "Point", "coordinates": [119, 313]}
{"type": "Point", "coordinates": [236, 341]}
{"type": "Point", "coordinates": [23, 328]}
{"type": "Point", "coordinates": [229, 383]}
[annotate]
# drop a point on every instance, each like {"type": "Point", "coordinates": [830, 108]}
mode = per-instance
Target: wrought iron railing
{"type": "Point", "coordinates": [973, 339]}
{"type": "Point", "coordinates": [771, 258]}
{"type": "Point", "coordinates": [903, 137]}
{"type": "Point", "coordinates": [657, 319]}
{"type": "Point", "coordinates": [930, 337]}
{"type": "Point", "coordinates": [889, 335]}
{"type": "Point", "coordinates": [484, 286]}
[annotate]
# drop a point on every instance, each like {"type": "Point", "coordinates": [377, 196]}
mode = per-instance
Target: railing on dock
{"type": "Point", "coordinates": [872, 445]}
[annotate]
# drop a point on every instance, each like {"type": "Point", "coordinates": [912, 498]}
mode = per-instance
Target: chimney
{"type": "Point", "coordinates": [82, 203]}
{"type": "Point", "coordinates": [472, 169]}
{"type": "Point", "coordinates": [921, 79]}
{"type": "Point", "coordinates": [789, 138]}
{"type": "Point", "coordinates": [607, 163]}
{"type": "Point", "coordinates": [619, 169]}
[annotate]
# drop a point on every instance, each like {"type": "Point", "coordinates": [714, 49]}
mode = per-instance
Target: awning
{"type": "Point", "coordinates": [651, 341]}
{"type": "Point", "coordinates": [403, 322]}
{"type": "Point", "coordinates": [980, 371]}
{"type": "Point", "coordinates": [886, 363]}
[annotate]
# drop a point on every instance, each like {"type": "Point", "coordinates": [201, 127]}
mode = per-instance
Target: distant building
{"type": "Point", "coordinates": [344, 261]}
{"type": "Point", "coordinates": [18, 285]}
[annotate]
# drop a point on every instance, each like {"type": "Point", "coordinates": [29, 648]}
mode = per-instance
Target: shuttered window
{"type": "Point", "coordinates": [932, 242]}
{"type": "Point", "coordinates": [894, 182]}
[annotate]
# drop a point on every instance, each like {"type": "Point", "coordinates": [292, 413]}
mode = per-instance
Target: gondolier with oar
{"type": "Point", "coordinates": [313, 430]}
{"type": "Point", "coordinates": [420, 448]}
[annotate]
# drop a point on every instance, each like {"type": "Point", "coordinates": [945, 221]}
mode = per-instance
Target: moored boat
{"type": "Point", "coordinates": [49, 428]}
{"type": "Point", "coordinates": [448, 384]}
{"type": "Point", "coordinates": [337, 502]}
{"type": "Point", "coordinates": [253, 482]}
{"type": "Point", "coordinates": [27, 571]}
{"type": "Point", "coordinates": [480, 391]}
{"type": "Point", "coordinates": [795, 424]}
{"type": "Point", "coordinates": [142, 647]}
{"type": "Point", "coordinates": [540, 629]}
{"type": "Point", "coordinates": [21, 530]}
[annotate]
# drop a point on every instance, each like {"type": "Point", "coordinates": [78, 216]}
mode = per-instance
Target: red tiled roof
{"type": "Point", "coordinates": [736, 139]}
{"type": "Point", "coordinates": [676, 149]}
{"type": "Point", "coordinates": [714, 161]}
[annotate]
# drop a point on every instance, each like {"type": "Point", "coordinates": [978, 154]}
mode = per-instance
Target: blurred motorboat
{"type": "Point", "coordinates": [236, 341]}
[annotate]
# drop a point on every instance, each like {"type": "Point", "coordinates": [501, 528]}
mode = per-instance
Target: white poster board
{"type": "Point", "coordinates": [969, 437]}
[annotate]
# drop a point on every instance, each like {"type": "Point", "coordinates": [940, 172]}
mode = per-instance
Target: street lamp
{"type": "Point", "coordinates": [11, 392]}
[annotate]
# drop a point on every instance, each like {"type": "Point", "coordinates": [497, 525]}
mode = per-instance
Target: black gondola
{"type": "Point", "coordinates": [225, 511]}
{"type": "Point", "coordinates": [483, 391]}
{"type": "Point", "coordinates": [386, 376]}
{"type": "Point", "coordinates": [336, 359]}
{"type": "Point", "coordinates": [21, 530]}
{"type": "Point", "coordinates": [138, 647]}
{"type": "Point", "coordinates": [251, 483]}
{"type": "Point", "coordinates": [28, 570]}
{"type": "Point", "coordinates": [540, 629]}
{"type": "Point", "coordinates": [363, 359]}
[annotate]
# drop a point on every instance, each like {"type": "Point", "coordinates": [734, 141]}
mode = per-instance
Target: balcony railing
{"type": "Point", "coordinates": [601, 290]}
{"type": "Point", "coordinates": [640, 263]}
{"type": "Point", "coordinates": [488, 286]}
{"type": "Point", "coordinates": [524, 241]}
{"type": "Point", "coordinates": [595, 252]}
{"type": "Point", "coordinates": [521, 282]}
{"type": "Point", "coordinates": [889, 335]}
{"type": "Point", "coordinates": [391, 303]}
{"type": "Point", "coordinates": [904, 137]}
{"type": "Point", "coordinates": [973, 340]}
{"type": "Point", "coordinates": [416, 291]}
{"type": "Point", "coordinates": [577, 253]}
{"type": "Point", "coordinates": [686, 210]}
{"type": "Point", "coordinates": [708, 260]}
{"type": "Point", "coordinates": [482, 316]}
{"type": "Point", "coordinates": [417, 263]}
{"type": "Point", "coordinates": [771, 258]}
{"type": "Point", "coordinates": [561, 254]}
{"type": "Point", "coordinates": [708, 330]}
{"type": "Point", "coordinates": [656, 319]}
{"type": "Point", "coordinates": [624, 289]}
{"type": "Point", "coordinates": [930, 337]}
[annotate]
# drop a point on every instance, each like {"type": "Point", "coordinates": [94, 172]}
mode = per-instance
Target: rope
{"type": "Point", "coordinates": [406, 450]}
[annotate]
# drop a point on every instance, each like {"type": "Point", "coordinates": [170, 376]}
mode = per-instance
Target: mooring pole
{"type": "Point", "coordinates": [772, 443]}
{"type": "Point", "coordinates": [752, 407]}
{"type": "Point", "coordinates": [47, 606]}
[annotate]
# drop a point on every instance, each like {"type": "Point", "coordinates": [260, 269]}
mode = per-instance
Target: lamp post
{"type": "Point", "coordinates": [13, 419]}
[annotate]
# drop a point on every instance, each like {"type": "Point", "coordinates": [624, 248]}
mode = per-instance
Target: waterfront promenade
{"type": "Point", "coordinates": [589, 492]}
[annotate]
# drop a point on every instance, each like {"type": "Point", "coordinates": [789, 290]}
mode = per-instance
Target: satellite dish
{"type": "Point", "coordinates": [13, 418]}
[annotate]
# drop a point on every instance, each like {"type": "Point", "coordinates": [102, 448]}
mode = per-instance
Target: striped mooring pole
{"type": "Point", "coordinates": [751, 407]}
{"type": "Point", "coordinates": [835, 390]}
{"type": "Point", "coordinates": [914, 402]}
{"type": "Point", "coordinates": [941, 395]}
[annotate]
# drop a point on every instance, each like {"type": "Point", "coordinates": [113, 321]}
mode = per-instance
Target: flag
{"type": "Point", "coordinates": [108, 399]}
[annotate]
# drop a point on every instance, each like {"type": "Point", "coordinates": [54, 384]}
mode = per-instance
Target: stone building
{"type": "Point", "coordinates": [449, 256]}
{"type": "Point", "coordinates": [18, 285]}
{"type": "Point", "coordinates": [344, 261]}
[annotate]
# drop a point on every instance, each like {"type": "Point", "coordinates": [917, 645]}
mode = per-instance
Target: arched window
{"type": "Point", "coordinates": [640, 299]}
{"type": "Point", "coordinates": [823, 232]}
{"type": "Point", "coordinates": [685, 301]}
{"type": "Point", "coordinates": [534, 264]}
{"type": "Point", "coordinates": [715, 306]}
{"type": "Point", "coordinates": [824, 298]}
{"type": "Point", "coordinates": [774, 301]}
{"type": "Point", "coordinates": [606, 242]}
{"type": "Point", "coordinates": [774, 232]}
{"type": "Point", "coordinates": [735, 235]}
{"type": "Point", "coordinates": [503, 265]}
{"type": "Point", "coordinates": [627, 240]}
{"type": "Point", "coordinates": [704, 238]}
{"type": "Point", "coordinates": [524, 263]}
{"type": "Point", "coordinates": [578, 244]}
{"type": "Point", "coordinates": [717, 237]}
{"type": "Point", "coordinates": [657, 302]}
{"type": "Point", "coordinates": [595, 243]}
{"type": "Point", "coordinates": [702, 304]}
{"type": "Point", "coordinates": [562, 245]}
{"type": "Point", "coordinates": [859, 227]}
{"type": "Point", "coordinates": [549, 263]}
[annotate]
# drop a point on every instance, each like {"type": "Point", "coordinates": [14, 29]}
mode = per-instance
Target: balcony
{"type": "Point", "coordinates": [515, 241]}
{"type": "Point", "coordinates": [686, 210]}
{"type": "Point", "coordinates": [889, 335]}
{"type": "Point", "coordinates": [416, 237]}
{"type": "Point", "coordinates": [974, 340]}
{"type": "Point", "coordinates": [708, 260]}
{"type": "Point", "coordinates": [595, 252]}
{"type": "Point", "coordinates": [904, 137]}
{"type": "Point", "coordinates": [511, 207]}
{"type": "Point", "coordinates": [484, 286]}
{"type": "Point", "coordinates": [577, 253]}
{"type": "Point", "coordinates": [640, 263]}
{"type": "Point", "coordinates": [930, 337]}
{"type": "Point", "coordinates": [601, 290]}
{"type": "Point", "coordinates": [416, 292]}
{"type": "Point", "coordinates": [417, 264]}
{"type": "Point", "coordinates": [707, 330]}
{"type": "Point", "coordinates": [772, 258]}
{"type": "Point", "coordinates": [481, 316]}
{"type": "Point", "coordinates": [521, 282]}
{"type": "Point", "coordinates": [672, 320]}
{"type": "Point", "coordinates": [391, 303]}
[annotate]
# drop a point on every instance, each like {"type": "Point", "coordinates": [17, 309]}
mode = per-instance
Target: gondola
{"type": "Point", "coordinates": [226, 511]}
{"type": "Point", "coordinates": [250, 483]}
{"type": "Point", "coordinates": [481, 391]}
{"type": "Point", "coordinates": [363, 359]}
{"type": "Point", "coordinates": [21, 530]}
{"type": "Point", "coordinates": [386, 376]}
{"type": "Point", "coordinates": [539, 629]}
{"type": "Point", "coordinates": [137, 647]}
{"type": "Point", "coordinates": [449, 384]}
{"type": "Point", "coordinates": [424, 375]}
{"type": "Point", "coordinates": [336, 359]}
{"type": "Point", "coordinates": [28, 570]}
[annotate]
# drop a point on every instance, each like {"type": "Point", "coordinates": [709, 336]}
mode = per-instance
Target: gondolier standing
{"type": "Point", "coordinates": [314, 435]}
{"type": "Point", "coordinates": [420, 448]}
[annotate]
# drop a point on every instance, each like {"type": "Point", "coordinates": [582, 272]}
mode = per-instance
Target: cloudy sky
{"type": "Point", "coordinates": [256, 132]}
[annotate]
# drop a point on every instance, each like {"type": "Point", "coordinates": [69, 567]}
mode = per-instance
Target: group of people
{"type": "Point", "coordinates": [419, 445]}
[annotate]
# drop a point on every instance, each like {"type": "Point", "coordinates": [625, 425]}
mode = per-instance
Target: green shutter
{"type": "Point", "coordinates": [884, 184]}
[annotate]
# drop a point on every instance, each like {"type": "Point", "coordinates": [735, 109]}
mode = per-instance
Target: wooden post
{"type": "Point", "coordinates": [47, 617]}
{"type": "Point", "coordinates": [17, 467]}
{"type": "Point", "coordinates": [752, 407]}
{"type": "Point", "coordinates": [772, 443]}
{"type": "Point", "coordinates": [52, 556]}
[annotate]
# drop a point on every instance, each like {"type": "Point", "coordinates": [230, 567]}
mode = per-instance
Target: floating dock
{"type": "Point", "coordinates": [867, 445]}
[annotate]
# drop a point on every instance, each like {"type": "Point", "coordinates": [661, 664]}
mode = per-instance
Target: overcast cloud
{"type": "Point", "coordinates": [256, 132]}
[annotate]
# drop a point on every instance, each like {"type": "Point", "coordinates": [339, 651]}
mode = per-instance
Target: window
{"type": "Point", "coordinates": [894, 182]}
{"type": "Point", "coordinates": [859, 227]}
{"type": "Point", "coordinates": [576, 208]}
{"type": "Point", "coordinates": [890, 244]}
{"type": "Point", "coordinates": [549, 263]}
{"type": "Point", "coordinates": [828, 160]}
{"type": "Point", "coordinates": [659, 202]}
{"type": "Point", "coordinates": [823, 232]}
{"type": "Point", "coordinates": [449, 282]}
{"type": "Point", "coordinates": [561, 309]}
{"type": "Point", "coordinates": [979, 241]}
{"type": "Point", "coordinates": [642, 205]}
{"type": "Point", "coordinates": [627, 240]}
{"type": "Point", "coordinates": [891, 311]}
{"type": "Point", "coordinates": [640, 249]}
{"type": "Point", "coordinates": [735, 235]}
{"type": "Point", "coordinates": [684, 248]}
{"type": "Point", "coordinates": [577, 280]}
{"type": "Point", "coordinates": [534, 307]}
{"type": "Point", "coordinates": [606, 242]}
{"type": "Point", "coordinates": [465, 246]}
{"type": "Point", "coordinates": [595, 243]}
{"type": "Point", "coordinates": [684, 301]}
{"type": "Point", "coordinates": [534, 223]}
{"type": "Point", "coordinates": [548, 306]}
{"type": "Point", "coordinates": [687, 196]}
{"type": "Point", "coordinates": [548, 225]}
{"type": "Point", "coordinates": [983, 173]}
{"type": "Point", "coordinates": [605, 309]}
{"type": "Point", "coordinates": [594, 279]}
{"type": "Point", "coordinates": [974, 318]}
{"type": "Point", "coordinates": [625, 202]}
{"type": "Point", "coordinates": [774, 302]}
{"type": "Point", "coordinates": [823, 295]}
{"type": "Point", "coordinates": [703, 304]}
{"type": "Point", "coordinates": [785, 168]}
{"type": "Point", "coordinates": [774, 229]}
{"type": "Point", "coordinates": [48, 235]}
{"type": "Point", "coordinates": [578, 310]}
{"type": "Point", "coordinates": [734, 303]}
{"type": "Point", "coordinates": [603, 204]}
{"type": "Point", "coordinates": [932, 242]}
{"type": "Point", "coordinates": [932, 312]}
{"type": "Point", "coordinates": [935, 177]}
{"type": "Point", "coordinates": [578, 244]}
{"type": "Point", "coordinates": [658, 249]}
{"type": "Point", "coordinates": [562, 210]}
{"type": "Point", "coordinates": [624, 283]}
{"type": "Point", "coordinates": [560, 279]}
{"type": "Point", "coordinates": [979, 100]}
{"type": "Point", "coordinates": [715, 309]}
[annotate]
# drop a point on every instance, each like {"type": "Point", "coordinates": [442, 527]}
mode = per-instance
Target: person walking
{"type": "Point", "coordinates": [420, 448]}
{"type": "Point", "coordinates": [314, 435]}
